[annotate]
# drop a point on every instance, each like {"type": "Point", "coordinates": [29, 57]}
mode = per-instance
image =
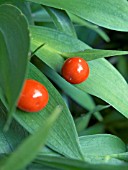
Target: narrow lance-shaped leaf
{"type": "Point", "coordinates": [92, 54]}
{"type": "Point", "coordinates": [107, 13]}
{"type": "Point", "coordinates": [27, 151]}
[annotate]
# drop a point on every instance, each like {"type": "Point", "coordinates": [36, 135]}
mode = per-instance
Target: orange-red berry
{"type": "Point", "coordinates": [34, 96]}
{"type": "Point", "coordinates": [75, 70]}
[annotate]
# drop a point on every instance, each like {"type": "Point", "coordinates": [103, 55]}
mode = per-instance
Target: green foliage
{"type": "Point", "coordinates": [57, 30]}
{"type": "Point", "coordinates": [14, 61]}
{"type": "Point", "coordinates": [63, 139]}
{"type": "Point", "coordinates": [28, 150]}
{"type": "Point", "coordinates": [115, 12]}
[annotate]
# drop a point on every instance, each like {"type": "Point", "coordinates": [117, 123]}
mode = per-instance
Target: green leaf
{"type": "Point", "coordinates": [10, 140]}
{"type": "Point", "coordinates": [76, 94]}
{"type": "Point", "coordinates": [98, 128]}
{"type": "Point", "coordinates": [92, 54]}
{"type": "Point", "coordinates": [31, 145]}
{"type": "Point", "coordinates": [83, 121]}
{"type": "Point", "coordinates": [107, 13]}
{"type": "Point", "coordinates": [14, 136]}
{"type": "Point", "coordinates": [122, 65]}
{"type": "Point", "coordinates": [63, 139]}
{"type": "Point", "coordinates": [14, 47]}
{"type": "Point", "coordinates": [22, 5]}
{"type": "Point", "coordinates": [40, 15]}
{"type": "Point", "coordinates": [101, 145]}
{"type": "Point", "coordinates": [89, 25]}
{"type": "Point", "coordinates": [71, 164]}
{"type": "Point", "coordinates": [61, 20]}
{"type": "Point", "coordinates": [35, 166]}
{"type": "Point", "coordinates": [121, 156]}
{"type": "Point", "coordinates": [101, 71]}
{"type": "Point", "coordinates": [55, 41]}
{"type": "Point", "coordinates": [98, 148]}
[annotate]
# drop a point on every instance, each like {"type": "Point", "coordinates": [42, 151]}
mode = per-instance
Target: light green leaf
{"type": "Point", "coordinates": [121, 156]}
{"type": "Point", "coordinates": [107, 13]}
{"type": "Point", "coordinates": [14, 47]}
{"type": "Point", "coordinates": [56, 41]}
{"type": "Point", "coordinates": [98, 148]}
{"type": "Point", "coordinates": [40, 15]}
{"type": "Point", "coordinates": [27, 151]}
{"type": "Point", "coordinates": [101, 145]}
{"type": "Point", "coordinates": [63, 139]}
{"type": "Point", "coordinates": [113, 87]}
{"type": "Point", "coordinates": [92, 54]}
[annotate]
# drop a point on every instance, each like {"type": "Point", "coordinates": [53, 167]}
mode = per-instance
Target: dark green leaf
{"type": "Point", "coordinates": [98, 128]}
{"type": "Point", "coordinates": [10, 139]}
{"type": "Point", "coordinates": [89, 25]}
{"type": "Point", "coordinates": [14, 47]}
{"type": "Point", "coordinates": [61, 20]}
{"type": "Point", "coordinates": [22, 5]}
{"type": "Point", "coordinates": [71, 164]}
{"type": "Point", "coordinates": [82, 122]}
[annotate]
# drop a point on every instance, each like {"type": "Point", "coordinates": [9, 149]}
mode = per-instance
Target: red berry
{"type": "Point", "coordinates": [34, 96]}
{"type": "Point", "coordinates": [75, 70]}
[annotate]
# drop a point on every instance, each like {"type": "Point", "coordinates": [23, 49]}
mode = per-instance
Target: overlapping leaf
{"type": "Point", "coordinates": [32, 143]}
{"type": "Point", "coordinates": [63, 137]}
{"type": "Point", "coordinates": [113, 88]}
{"type": "Point", "coordinates": [107, 13]}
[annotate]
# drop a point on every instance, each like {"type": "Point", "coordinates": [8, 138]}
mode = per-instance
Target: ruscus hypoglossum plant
{"type": "Point", "coordinates": [63, 84]}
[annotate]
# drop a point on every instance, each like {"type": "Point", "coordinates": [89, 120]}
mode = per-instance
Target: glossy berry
{"type": "Point", "coordinates": [34, 96]}
{"type": "Point", "coordinates": [75, 70]}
